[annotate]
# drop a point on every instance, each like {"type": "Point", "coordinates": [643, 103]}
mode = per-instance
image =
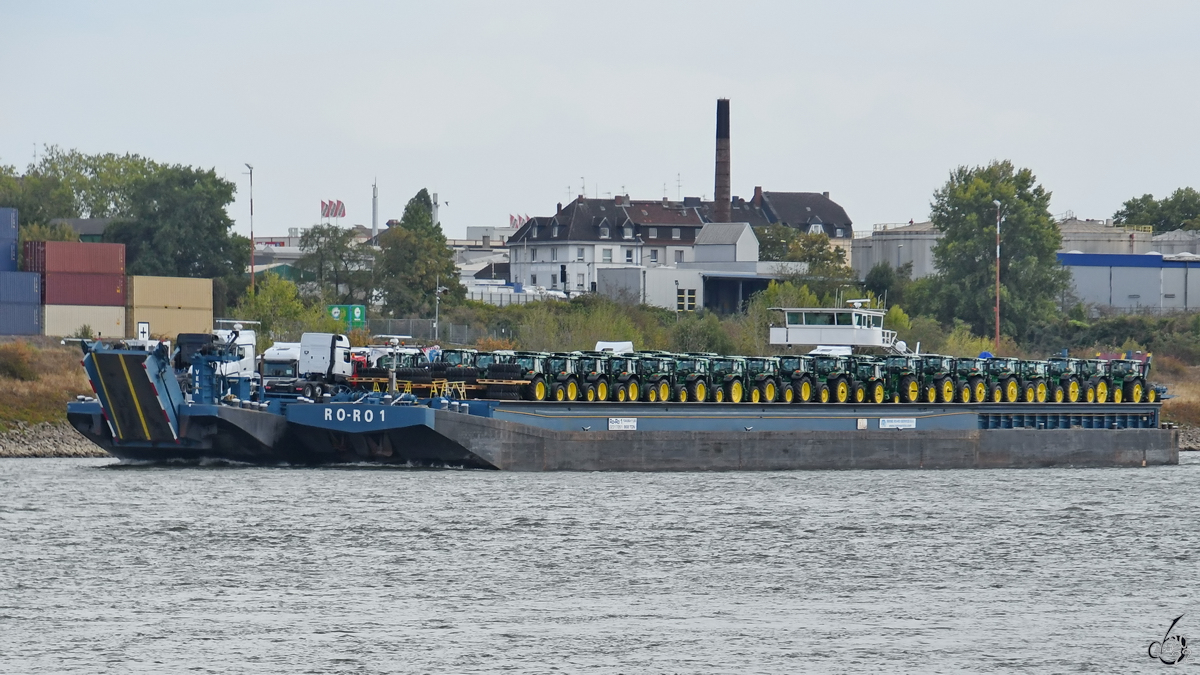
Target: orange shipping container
{"type": "Point", "coordinates": [172, 292]}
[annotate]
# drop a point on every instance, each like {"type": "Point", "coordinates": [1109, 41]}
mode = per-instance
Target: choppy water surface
{"type": "Point", "coordinates": [365, 571]}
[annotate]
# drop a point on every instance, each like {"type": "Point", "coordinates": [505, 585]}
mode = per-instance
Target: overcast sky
{"type": "Point", "coordinates": [510, 107]}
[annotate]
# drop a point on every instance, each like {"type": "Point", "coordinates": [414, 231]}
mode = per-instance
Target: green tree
{"type": "Point", "coordinates": [1181, 210]}
{"type": "Point", "coordinates": [774, 241]}
{"type": "Point", "coordinates": [178, 226]}
{"type": "Point", "coordinates": [1031, 278]}
{"type": "Point", "coordinates": [339, 266]}
{"type": "Point", "coordinates": [282, 313]}
{"type": "Point", "coordinates": [414, 260]}
{"type": "Point", "coordinates": [101, 185]}
{"type": "Point", "coordinates": [886, 281]}
{"type": "Point", "coordinates": [37, 197]}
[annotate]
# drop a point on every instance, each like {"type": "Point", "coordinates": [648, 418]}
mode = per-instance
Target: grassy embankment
{"type": "Point", "coordinates": [1183, 383]}
{"type": "Point", "coordinates": [37, 379]}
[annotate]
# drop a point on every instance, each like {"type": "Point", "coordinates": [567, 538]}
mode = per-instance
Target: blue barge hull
{"type": "Point", "coordinates": [527, 436]}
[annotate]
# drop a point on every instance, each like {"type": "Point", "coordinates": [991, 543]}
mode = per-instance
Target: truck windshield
{"type": "Point", "coordinates": [525, 362]}
{"type": "Point", "coordinates": [485, 360]}
{"type": "Point", "coordinates": [622, 365]}
{"type": "Point", "coordinates": [1121, 368]}
{"type": "Point", "coordinates": [721, 366]}
{"type": "Point", "coordinates": [865, 371]}
{"type": "Point", "coordinates": [935, 363]}
{"type": "Point", "coordinates": [279, 369]}
{"type": "Point", "coordinates": [1058, 366]}
{"type": "Point", "coordinates": [558, 365]}
{"type": "Point", "coordinates": [789, 364]}
{"type": "Point", "coordinates": [897, 362]}
{"type": "Point", "coordinates": [685, 365]}
{"type": "Point", "coordinates": [757, 365]}
{"type": "Point", "coordinates": [453, 358]}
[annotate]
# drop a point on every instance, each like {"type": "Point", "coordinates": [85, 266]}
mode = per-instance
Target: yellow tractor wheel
{"type": "Point", "coordinates": [622, 396]}
{"type": "Point", "coordinates": [1151, 395]}
{"type": "Point", "coordinates": [735, 392]}
{"type": "Point", "coordinates": [572, 391]}
{"type": "Point", "coordinates": [806, 391]}
{"type": "Point", "coordinates": [965, 393]}
{"type": "Point", "coordinates": [931, 394]}
{"type": "Point", "coordinates": [591, 394]}
{"type": "Point", "coordinates": [653, 395]}
{"type": "Point", "coordinates": [560, 393]}
{"type": "Point", "coordinates": [914, 391]}
{"type": "Point", "coordinates": [1030, 394]}
{"type": "Point", "coordinates": [1073, 392]}
{"type": "Point", "coordinates": [824, 394]}
{"type": "Point", "coordinates": [980, 391]}
{"type": "Point", "coordinates": [664, 391]}
{"type": "Point", "coordinates": [1091, 395]}
{"type": "Point", "coordinates": [755, 395]}
{"type": "Point", "coordinates": [878, 393]}
{"type": "Point", "coordinates": [1137, 392]}
{"type": "Point", "coordinates": [1041, 392]}
{"type": "Point", "coordinates": [789, 396]}
{"type": "Point", "coordinates": [1011, 391]}
{"type": "Point", "coordinates": [1117, 395]}
{"type": "Point", "coordinates": [700, 392]}
{"type": "Point", "coordinates": [1058, 395]}
{"type": "Point", "coordinates": [633, 392]}
{"type": "Point", "coordinates": [602, 390]}
{"type": "Point", "coordinates": [719, 395]}
{"type": "Point", "coordinates": [539, 391]}
{"type": "Point", "coordinates": [769, 392]}
{"type": "Point", "coordinates": [843, 391]}
{"type": "Point", "coordinates": [683, 397]}
{"type": "Point", "coordinates": [860, 394]}
{"type": "Point", "coordinates": [948, 390]}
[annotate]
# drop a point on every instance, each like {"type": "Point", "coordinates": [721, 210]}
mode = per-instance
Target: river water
{"type": "Point", "coordinates": [106, 568]}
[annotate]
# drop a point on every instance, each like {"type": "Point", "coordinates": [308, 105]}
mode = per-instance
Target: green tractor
{"type": "Point", "coordinates": [595, 372]}
{"type": "Point", "coordinates": [971, 377]}
{"type": "Point", "coordinates": [1004, 381]}
{"type": "Point", "coordinates": [728, 375]}
{"type": "Point", "coordinates": [796, 378]}
{"type": "Point", "coordinates": [1034, 376]}
{"type": "Point", "coordinates": [658, 376]}
{"type": "Point", "coordinates": [1065, 376]}
{"type": "Point", "coordinates": [530, 367]}
{"type": "Point", "coordinates": [1129, 381]}
{"type": "Point", "coordinates": [627, 377]}
{"type": "Point", "coordinates": [870, 385]}
{"type": "Point", "coordinates": [938, 381]}
{"type": "Point", "coordinates": [692, 377]}
{"type": "Point", "coordinates": [762, 376]}
{"type": "Point", "coordinates": [833, 381]}
{"type": "Point", "coordinates": [902, 376]}
{"type": "Point", "coordinates": [563, 371]}
{"type": "Point", "coordinates": [1097, 382]}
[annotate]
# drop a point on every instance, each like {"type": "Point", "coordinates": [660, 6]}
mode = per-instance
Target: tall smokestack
{"type": "Point", "coordinates": [721, 191]}
{"type": "Point", "coordinates": [374, 211]}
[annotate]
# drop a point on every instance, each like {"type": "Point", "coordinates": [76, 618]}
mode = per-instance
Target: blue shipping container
{"type": "Point", "coordinates": [8, 256]}
{"type": "Point", "coordinates": [22, 288]}
{"type": "Point", "coordinates": [20, 319]}
{"type": "Point", "coordinates": [8, 224]}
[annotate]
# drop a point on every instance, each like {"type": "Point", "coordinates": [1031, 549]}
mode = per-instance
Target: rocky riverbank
{"type": "Point", "coordinates": [47, 440]}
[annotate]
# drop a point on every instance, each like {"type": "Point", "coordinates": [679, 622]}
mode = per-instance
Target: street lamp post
{"type": "Point", "coordinates": [997, 203]}
{"type": "Point", "coordinates": [248, 166]}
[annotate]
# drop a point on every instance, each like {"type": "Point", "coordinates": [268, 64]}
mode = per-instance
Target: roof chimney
{"type": "Point", "coordinates": [559, 208]}
{"type": "Point", "coordinates": [825, 194]}
{"type": "Point", "coordinates": [758, 196]}
{"type": "Point", "coordinates": [721, 190]}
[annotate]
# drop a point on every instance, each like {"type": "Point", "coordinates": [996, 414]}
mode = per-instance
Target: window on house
{"type": "Point", "coordinates": [604, 233]}
{"type": "Point", "coordinates": [579, 281]}
{"type": "Point", "coordinates": [554, 231]}
{"type": "Point", "coordinates": [553, 281]}
{"type": "Point", "coordinates": [533, 232]}
{"type": "Point", "coordinates": [653, 255]}
{"type": "Point", "coordinates": [685, 299]}
{"type": "Point", "coordinates": [678, 256]}
{"type": "Point", "coordinates": [653, 234]}
{"type": "Point", "coordinates": [839, 233]}
{"type": "Point", "coordinates": [675, 233]}
{"type": "Point", "coordinates": [533, 255]}
{"type": "Point", "coordinates": [628, 255]}
{"type": "Point", "coordinates": [606, 255]}
{"type": "Point", "coordinates": [553, 255]}
{"type": "Point", "coordinates": [533, 280]}
{"type": "Point", "coordinates": [628, 234]}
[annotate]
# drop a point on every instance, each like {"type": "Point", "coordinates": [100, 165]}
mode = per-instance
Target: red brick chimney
{"type": "Point", "coordinates": [757, 196]}
{"type": "Point", "coordinates": [722, 188]}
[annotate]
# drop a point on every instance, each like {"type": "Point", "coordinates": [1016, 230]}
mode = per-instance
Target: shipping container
{"type": "Point", "coordinates": [84, 289]}
{"type": "Point", "coordinates": [173, 292]}
{"type": "Point", "coordinates": [23, 288]}
{"type": "Point", "coordinates": [20, 319]}
{"type": "Point", "coordinates": [168, 322]}
{"type": "Point", "coordinates": [66, 320]}
{"type": "Point", "coordinates": [8, 256]}
{"type": "Point", "coordinates": [8, 224]}
{"type": "Point", "coordinates": [74, 257]}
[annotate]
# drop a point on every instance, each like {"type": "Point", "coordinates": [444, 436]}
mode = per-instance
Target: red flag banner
{"type": "Point", "coordinates": [341, 209]}
{"type": "Point", "coordinates": [324, 209]}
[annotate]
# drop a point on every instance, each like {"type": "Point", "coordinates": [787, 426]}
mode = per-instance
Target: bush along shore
{"type": "Point", "coordinates": [47, 439]}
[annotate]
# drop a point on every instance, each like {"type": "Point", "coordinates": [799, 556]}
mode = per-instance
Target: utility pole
{"type": "Point", "coordinates": [437, 304]}
{"type": "Point", "coordinates": [997, 203]}
{"type": "Point", "coordinates": [251, 228]}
